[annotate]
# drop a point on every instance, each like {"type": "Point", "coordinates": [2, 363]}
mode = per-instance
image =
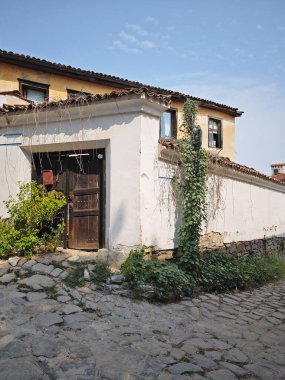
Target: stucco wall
{"type": "Point", "coordinates": [228, 129]}
{"type": "Point", "coordinates": [15, 167]}
{"type": "Point", "coordinates": [158, 212]}
{"type": "Point", "coordinates": [243, 207]}
{"type": "Point", "coordinates": [115, 126]}
{"type": "Point", "coordinates": [9, 75]}
{"type": "Point", "coordinates": [140, 203]}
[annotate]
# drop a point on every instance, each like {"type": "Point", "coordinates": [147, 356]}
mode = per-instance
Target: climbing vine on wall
{"type": "Point", "coordinates": [192, 186]}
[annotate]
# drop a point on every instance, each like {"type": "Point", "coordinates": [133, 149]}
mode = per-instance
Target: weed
{"type": "Point", "coordinates": [221, 272]}
{"type": "Point", "coordinates": [100, 273]}
{"type": "Point", "coordinates": [58, 264]}
{"type": "Point", "coordinates": [75, 276]}
{"type": "Point", "coordinates": [51, 292]}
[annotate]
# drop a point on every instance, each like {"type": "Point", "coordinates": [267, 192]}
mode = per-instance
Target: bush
{"type": "Point", "coordinates": [34, 221]}
{"type": "Point", "coordinates": [221, 272]}
{"type": "Point", "coordinates": [166, 281]}
{"type": "Point", "coordinates": [100, 273]}
{"type": "Point", "coordinates": [261, 270]}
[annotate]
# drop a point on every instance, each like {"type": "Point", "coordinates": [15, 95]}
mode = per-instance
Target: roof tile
{"type": "Point", "coordinates": [26, 59]}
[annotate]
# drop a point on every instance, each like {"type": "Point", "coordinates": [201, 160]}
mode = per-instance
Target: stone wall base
{"type": "Point", "coordinates": [213, 242]}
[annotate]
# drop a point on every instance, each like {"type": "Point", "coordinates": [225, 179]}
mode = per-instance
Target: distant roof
{"type": "Point", "coordinates": [279, 177]}
{"type": "Point", "coordinates": [273, 165]}
{"type": "Point", "coordinates": [91, 76]}
{"type": "Point", "coordinates": [82, 99]}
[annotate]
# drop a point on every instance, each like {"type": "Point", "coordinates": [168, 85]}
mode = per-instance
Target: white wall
{"type": "Point", "coordinates": [15, 167]}
{"type": "Point", "coordinates": [243, 207]}
{"type": "Point", "coordinates": [158, 211]}
{"type": "Point", "coordinates": [140, 207]}
{"type": "Point", "coordinates": [115, 126]}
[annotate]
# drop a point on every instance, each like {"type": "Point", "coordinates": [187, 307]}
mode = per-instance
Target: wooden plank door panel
{"type": "Point", "coordinates": [85, 222]}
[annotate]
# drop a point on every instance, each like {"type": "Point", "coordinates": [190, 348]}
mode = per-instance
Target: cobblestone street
{"type": "Point", "coordinates": [48, 331]}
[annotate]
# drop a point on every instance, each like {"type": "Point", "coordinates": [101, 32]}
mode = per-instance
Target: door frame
{"type": "Point", "coordinates": [102, 193]}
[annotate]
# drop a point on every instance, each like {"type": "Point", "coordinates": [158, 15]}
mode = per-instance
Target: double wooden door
{"type": "Point", "coordinates": [80, 175]}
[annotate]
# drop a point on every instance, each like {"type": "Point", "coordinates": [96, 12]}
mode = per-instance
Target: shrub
{"type": "Point", "coordinates": [221, 272]}
{"type": "Point", "coordinates": [260, 270]}
{"type": "Point", "coordinates": [133, 269]}
{"type": "Point", "coordinates": [166, 281]}
{"type": "Point", "coordinates": [100, 273]}
{"type": "Point", "coordinates": [34, 221]}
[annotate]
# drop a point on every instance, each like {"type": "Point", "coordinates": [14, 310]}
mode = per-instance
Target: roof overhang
{"type": "Point", "coordinates": [91, 76]}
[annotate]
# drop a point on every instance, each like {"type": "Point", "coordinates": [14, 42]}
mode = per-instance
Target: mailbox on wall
{"type": "Point", "coordinates": [47, 177]}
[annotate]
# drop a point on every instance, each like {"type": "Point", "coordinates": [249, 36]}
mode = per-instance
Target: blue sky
{"type": "Point", "coordinates": [228, 51]}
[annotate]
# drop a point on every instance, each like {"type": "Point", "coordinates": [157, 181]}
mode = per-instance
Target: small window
{"type": "Point", "coordinates": [75, 93]}
{"type": "Point", "coordinates": [215, 133]}
{"type": "Point", "coordinates": [275, 171]}
{"type": "Point", "coordinates": [36, 92]}
{"type": "Point", "coordinates": [168, 125]}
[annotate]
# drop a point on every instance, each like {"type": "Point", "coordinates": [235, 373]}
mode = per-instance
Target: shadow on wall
{"type": "Point", "coordinates": [117, 225]}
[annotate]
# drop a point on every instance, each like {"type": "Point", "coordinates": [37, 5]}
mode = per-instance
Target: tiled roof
{"type": "Point", "coordinates": [44, 65]}
{"type": "Point", "coordinates": [85, 100]}
{"type": "Point", "coordinates": [272, 165]}
{"type": "Point", "coordinates": [279, 177]}
{"type": "Point", "coordinates": [226, 162]}
{"type": "Point", "coordinates": [12, 98]}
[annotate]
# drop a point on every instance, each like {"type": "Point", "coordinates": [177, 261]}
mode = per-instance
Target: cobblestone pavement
{"type": "Point", "coordinates": [48, 331]}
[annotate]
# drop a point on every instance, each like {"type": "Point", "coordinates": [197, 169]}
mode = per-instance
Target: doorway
{"type": "Point", "coordinates": [80, 176]}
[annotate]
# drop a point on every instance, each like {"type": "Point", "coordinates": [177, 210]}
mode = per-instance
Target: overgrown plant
{"type": "Point", "coordinates": [222, 272]}
{"type": "Point", "coordinates": [156, 280]}
{"type": "Point", "coordinates": [34, 221]}
{"type": "Point", "coordinates": [192, 187]}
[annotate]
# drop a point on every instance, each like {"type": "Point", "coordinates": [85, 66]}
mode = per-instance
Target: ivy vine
{"type": "Point", "coordinates": [193, 189]}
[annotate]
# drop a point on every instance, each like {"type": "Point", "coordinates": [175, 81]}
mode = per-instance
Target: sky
{"type": "Point", "coordinates": [229, 51]}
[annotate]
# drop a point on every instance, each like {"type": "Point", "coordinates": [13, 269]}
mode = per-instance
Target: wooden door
{"type": "Point", "coordinates": [80, 175]}
{"type": "Point", "coordinates": [85, 200]}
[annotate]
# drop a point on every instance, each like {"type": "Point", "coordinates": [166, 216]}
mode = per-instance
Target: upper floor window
{"type": "Point", "coordinates": [168, 125]}
{"type": "Point", "coordinates": [36, 92]}
{"type": "Point", "coordinates": [74, 93]}
{"type": "Point", "coordinates": [215, 133]}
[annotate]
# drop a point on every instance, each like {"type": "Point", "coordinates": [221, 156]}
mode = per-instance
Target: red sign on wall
{"type": "Point", "coordinates": [47, 177]}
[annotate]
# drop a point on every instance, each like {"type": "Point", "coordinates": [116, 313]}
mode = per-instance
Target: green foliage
{"type": "Point", "coordinates": [166, 281]}
{"type": "Point", "coordinates": [32, 221]}
{"type": "Point", "coordinates": [133, 269]}
{"type": "Point", "coordinates": [75, 276]}
{"type": "Point", "coordinates": [221, 272]}
{"type": "Point", "coordinates": [192, 186]}
{"type": "Point", "coordinates": [101, 272]}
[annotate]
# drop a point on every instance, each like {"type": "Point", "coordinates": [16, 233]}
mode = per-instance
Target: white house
{"type": "Point", "coordinates": [103, 153]}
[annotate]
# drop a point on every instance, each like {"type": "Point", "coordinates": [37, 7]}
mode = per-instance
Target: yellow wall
{"type": "Point", "coordinates": [9, 75]}
{"type": "Point", "coordinates": [228, 128]}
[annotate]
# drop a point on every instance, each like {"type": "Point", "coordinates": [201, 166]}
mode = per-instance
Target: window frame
{"type": "Point", "coordinates": [220, 134]}
{"type": "Point", "coordinates": [28, 84]}
{"type": "Point", "coordinates": [174, 117]}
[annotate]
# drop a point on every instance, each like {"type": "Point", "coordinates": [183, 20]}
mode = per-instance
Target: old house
{"type": "Point", "coordinates": [39, 80]}
{"type": "Point", "coordinates": [103, 141]}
